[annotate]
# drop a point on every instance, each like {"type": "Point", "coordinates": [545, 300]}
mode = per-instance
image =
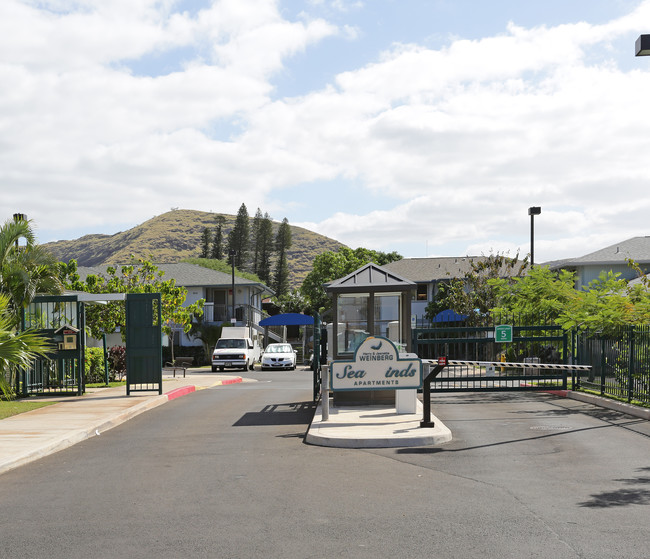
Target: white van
{"type": "Point", "coordinates": [236, 349]}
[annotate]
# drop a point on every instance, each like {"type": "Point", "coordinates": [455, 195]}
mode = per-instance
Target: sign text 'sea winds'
{"type": "Point", "coordinates": [376, 366]}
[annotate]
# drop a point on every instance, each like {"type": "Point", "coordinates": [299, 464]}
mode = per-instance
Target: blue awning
{"type": "Point", "coordinates": [287, 319]}
{"type": "Point", "coordinates": [449, 316]}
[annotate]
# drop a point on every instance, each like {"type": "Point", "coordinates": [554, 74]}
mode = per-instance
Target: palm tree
{"type": "Point", "coordinates": [17, 349]}
{"type": "Point", "coordinates": [25, 270]}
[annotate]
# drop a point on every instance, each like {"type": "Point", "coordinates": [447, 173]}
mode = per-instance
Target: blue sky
{"type": "Point", "coordinates": [422, 126]}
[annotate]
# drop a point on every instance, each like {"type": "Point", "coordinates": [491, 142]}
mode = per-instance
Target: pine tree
{"type": "Point", "coordinates": [265, 246]}
{"type": "Point", "coordinates": [255, 238]}
{"type": "Point", "coordinates": [217, 239]}
{"type": "Point", "coordinates": [205, 243]}
{"type": "Point", "coordinates": [282, 245]}
{"type": "Point", "coordinates": [238, 237]}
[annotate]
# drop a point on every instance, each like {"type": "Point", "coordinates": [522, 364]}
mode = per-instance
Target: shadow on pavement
{"type": "Point", "coordinates": [296, 413]}
{"type": "Point", "coordinates": [622, 497]}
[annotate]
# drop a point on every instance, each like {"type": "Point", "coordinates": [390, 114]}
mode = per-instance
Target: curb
{"type": "Point", "coordinates": [628, 409]}
{"type": "Point", "coordinates": [178, 392]}
{"type": "Point", "coordinates": [76, 436]}
{"type": "Point", "coordinates": [615, 405]}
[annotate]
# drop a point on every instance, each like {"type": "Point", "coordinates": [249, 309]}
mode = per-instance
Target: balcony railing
{"type": "Point", "coordinates": [245, 314]}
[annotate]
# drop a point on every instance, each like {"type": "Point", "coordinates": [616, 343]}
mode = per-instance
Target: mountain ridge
{"type": "Point", "coordinates": [176, 235]}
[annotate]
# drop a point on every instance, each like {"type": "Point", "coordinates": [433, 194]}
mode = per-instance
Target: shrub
{"type": "Point", "coordinates": [94, 368]}
{"type": "Point", "coordinates": [117, 362]}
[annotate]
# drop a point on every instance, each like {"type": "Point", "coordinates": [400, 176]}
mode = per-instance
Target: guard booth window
{"type": "Point", "coordinates": [387, 316]}
{"type": "Point", "coordinates": [353, 321]}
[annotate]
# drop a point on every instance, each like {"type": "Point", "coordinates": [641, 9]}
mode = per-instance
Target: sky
{"type": "Point", "coordinates": [426, 127]}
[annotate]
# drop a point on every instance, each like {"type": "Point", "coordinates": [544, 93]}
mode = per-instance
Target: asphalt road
{"type": "Point", "coordinates": [224, 473]}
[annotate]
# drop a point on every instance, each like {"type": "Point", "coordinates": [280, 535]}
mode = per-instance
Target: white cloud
{"type": "Point", "coordinates": [461, 139]}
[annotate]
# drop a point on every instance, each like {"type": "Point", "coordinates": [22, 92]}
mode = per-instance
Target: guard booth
{"type": "Point", "coordinates": [61, 319]}
{"type": "Point", "coordinates": [370, 301]}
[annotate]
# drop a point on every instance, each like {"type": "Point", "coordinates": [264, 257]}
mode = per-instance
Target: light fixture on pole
{"type": "Point", "coordinates": [18, 218]}
{"type": "Point", "coordinates": [642, 46]}
{"type": "Point", "coordinates": [232, 253]}
{"type": "Point", "coordinates": [532, 212]}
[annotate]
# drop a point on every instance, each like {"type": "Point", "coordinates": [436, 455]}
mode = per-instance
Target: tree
{"type": "Point", "coordinates": [265, 245]}
{"type": "Point", "coordinates": [207, 333]}
{"type": "Point", "coordinates": [17, 349]}
{"type": "Point", "coordinates": [541, 292]}
{"type": "Point", "coordinates": [293, 302]}
{"type": "Point", "coordinates": [141, 276]}
{"type": "Point", "coordinates": [255, 249]}
{"type": "Point", "coordinates": [604, 305]}
{"type": "Point", "coordinates": [475, 295]}
{"type": "Point", "coordinates": [333, 265]}
{"type": "Point", "coordinates": [205, 243]}
{"type": "Point", "coordinates": [238, 238]}
{"type": "Point", "coordinates": [282, 245]}
{"type": "Point", "coordinates": [217, 239]}
{"type": "Point", "coordinates": [26, 268]}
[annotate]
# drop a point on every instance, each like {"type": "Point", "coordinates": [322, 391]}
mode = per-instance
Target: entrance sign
{"type": "Point", "coordinates": [376, 366]}
{"type": "Point", "coordinates": [503, 333]}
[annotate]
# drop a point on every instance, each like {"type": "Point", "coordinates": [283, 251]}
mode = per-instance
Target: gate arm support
{"type": "Point", "coordinates": [426, 395]}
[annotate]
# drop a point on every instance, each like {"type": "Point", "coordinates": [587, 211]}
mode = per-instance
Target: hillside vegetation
{"type": "Point", "coordinates": [175, 236]}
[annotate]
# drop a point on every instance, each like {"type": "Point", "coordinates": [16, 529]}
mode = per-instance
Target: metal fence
{"type": "Point", "coordinates": [620, 362]}
{"type": "Point", "coordinates": [532, 338]}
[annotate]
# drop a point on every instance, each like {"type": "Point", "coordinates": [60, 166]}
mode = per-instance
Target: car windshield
{"type": "Point", "coordinates": [231, 344]}
{"type": "Point", "coordinates": [280, 348]}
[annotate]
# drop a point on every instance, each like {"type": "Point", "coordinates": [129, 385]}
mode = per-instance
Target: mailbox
{"type": "Point", "coordinates": [67, 338]}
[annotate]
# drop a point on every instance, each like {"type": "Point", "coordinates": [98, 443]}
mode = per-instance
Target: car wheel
{"type": "Point", "coordinates": [221, 369]}
{"type": "Point", "coordinates": [214, 369]}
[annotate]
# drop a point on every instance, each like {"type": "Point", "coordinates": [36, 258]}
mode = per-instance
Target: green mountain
{"type": "Point", "coordinates": [175, 236]}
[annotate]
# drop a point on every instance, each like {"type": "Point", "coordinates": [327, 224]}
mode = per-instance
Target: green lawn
{"type": "Point", "coordinates": [103, 385]}
{"type": "Point", "coordinates": [14, 407]}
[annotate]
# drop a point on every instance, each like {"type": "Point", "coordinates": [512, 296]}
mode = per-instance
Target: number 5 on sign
{"type": "Point", "coordinates": [503, 333]}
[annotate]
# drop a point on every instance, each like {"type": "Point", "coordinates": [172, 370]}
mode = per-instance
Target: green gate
{"type": "Point", "coordinates": [143, 342]}
{"type": "Point", "coordinates": [59, 318]}
{"type": "Point", "coordinates": [495, 357]}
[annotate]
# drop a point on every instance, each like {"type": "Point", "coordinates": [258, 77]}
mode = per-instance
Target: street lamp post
{"type": "Point", "coordinates": [232, 253]}
{"type": "Point", "coordinates": [19, 217]}
{"type": "Point", "coordinates": [532, 212]}
{"type": "Point", "coordinates": [642, 46]}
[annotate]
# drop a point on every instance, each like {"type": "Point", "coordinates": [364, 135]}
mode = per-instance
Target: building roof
{"type": "Point", "coordinates": [636, 248]}
{"type": "Point", "coordinates": [432, 269]}
{"type": "Point", "coordinates": [187, 275]}
{"type": "Point", "coordinates": [370, 277]}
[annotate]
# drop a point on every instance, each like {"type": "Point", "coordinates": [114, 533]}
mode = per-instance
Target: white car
{"type": "Point", "coordinates": [279, 356]}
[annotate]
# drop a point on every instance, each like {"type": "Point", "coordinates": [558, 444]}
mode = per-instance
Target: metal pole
{"type": "Point", "coordinates": [325, 396]}
{"type": "Point", "coordinates": [105, 359]}
{"type": "Point", "coordinates": [532, 239]}
{"type": "Point", "coordinates": [233, 253]}
{"type": "Point", "coordinates": [532, 212]}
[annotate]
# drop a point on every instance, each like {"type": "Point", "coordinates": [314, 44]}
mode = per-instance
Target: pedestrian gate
{"type": "Point", "coordinates": [143, 343]}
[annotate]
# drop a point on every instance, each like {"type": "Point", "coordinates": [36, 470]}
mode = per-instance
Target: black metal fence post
{"type": "Point", "coordinates": [630, 366]}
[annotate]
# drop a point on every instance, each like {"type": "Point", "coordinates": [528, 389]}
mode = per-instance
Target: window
{"type": "Point", "coordinates": [423, 290]}
{"type": "Point", "coordinates": [387, 316]}
{"type": "Point", "coordinates": [352, 321]}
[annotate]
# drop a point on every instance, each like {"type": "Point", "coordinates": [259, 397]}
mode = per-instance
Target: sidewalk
{"type": "Point", "coordinates": [32, 435]}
